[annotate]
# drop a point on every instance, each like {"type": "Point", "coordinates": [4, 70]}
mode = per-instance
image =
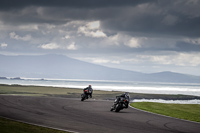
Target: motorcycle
{"type": "Point", "coordinates": [119, 104]}
{"type": "Point", "coordinates": [85, 95]}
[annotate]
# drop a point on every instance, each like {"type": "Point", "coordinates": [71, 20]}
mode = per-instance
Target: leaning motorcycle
{"type": "Point", "coordinates": [119, 104]}
{"type": "Point", "coordinates": [85, 96]}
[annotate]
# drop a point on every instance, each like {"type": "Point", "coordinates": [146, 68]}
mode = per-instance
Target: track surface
{"type": "Point", "coordinates": [90, 116]}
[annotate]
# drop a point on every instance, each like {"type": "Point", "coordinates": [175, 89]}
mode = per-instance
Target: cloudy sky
{"type": "Point", "coordinates": [140, 35]}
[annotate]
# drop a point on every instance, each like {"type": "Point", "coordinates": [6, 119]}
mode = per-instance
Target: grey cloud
{"type": "Point", "coordinates": [156, 19]}
{"type": "Point", "coordinates": [137, 18]}
{"type": "Point", "coordinates": [187, 47]}
{"type": "Point", "coordinates": [9, 4]}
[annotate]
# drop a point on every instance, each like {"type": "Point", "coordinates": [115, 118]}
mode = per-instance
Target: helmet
{"type": "Point", "coordinates": [127, 94]}
{"type": "Point", "coordinates": [90, 86]}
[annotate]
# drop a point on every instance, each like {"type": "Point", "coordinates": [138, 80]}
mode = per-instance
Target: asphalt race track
{"type": "Point", "coordinates": [90, 116]}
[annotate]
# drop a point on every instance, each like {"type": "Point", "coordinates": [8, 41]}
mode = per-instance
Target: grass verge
{"type": "Point", "coordinates": [182, 111]}
{"type": "Point", "coordinates": [9, 126]}
{"type": "Point", "coordinates": [76, 93]}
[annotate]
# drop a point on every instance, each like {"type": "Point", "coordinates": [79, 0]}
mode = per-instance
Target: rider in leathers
{"type": "Point", "coordinates": [90, 89]}
{"type": "Point", "coordinates": [125, 95]}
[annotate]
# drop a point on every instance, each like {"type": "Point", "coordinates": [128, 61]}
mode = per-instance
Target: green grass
{"type": "Point", "coordinates": [76, 92]}
{"type": "Point", "coordinates": [9, 126]}
{"type": "Point", "coordinates": [53, 91]}
{"type": "Point", "coordinates": [34, 90]}
{"type": "Point", "coordinates": [183, 111]}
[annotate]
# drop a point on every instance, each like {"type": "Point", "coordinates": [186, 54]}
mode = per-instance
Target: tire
{"type": "Point", "coordinates": [82, 97]}
{"type": "Point", "coordinates": [118, 107]}
{"type": "Point", "coordinates": [126, 105]}
{"type": "Point", "coordinates": [111, 109]}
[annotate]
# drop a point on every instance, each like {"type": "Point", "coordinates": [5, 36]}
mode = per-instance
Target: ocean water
{"type": "Point", "coordinates": [124, 86]}
{"type": "Point", "coordinates": [194, 101]}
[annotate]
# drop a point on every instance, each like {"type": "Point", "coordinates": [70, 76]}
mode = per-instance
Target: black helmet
{"type": "Point", "coordinates": [127, 94]}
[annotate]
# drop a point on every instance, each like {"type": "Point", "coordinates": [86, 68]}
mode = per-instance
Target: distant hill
{"type": "Point", "coordinates": [59, 66]}
{"type": "Point", "coordinates": [173, 77]}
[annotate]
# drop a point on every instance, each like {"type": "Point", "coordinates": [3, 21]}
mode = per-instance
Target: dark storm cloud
{"type": "Point", "coordinates": [136, 17]}
{"type": "Point", "coordinates": [25, 11]}
{"type": "Point", "coordinates": [10, 4]}
{"type": "Point", "coordinates": [161, 18]}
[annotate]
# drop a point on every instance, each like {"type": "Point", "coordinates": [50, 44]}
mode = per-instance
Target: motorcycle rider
{"type": "Point", "coordinates": [88, 89]}
{"type": "Point", "coordinates": [124, 95]}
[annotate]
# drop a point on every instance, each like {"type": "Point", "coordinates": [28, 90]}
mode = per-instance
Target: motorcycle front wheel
{"type": "Point", "coordinates": [112, 108]}
{"type": "Point", "coordinates": [82, 97]}
{"type": "Point", "coordinates": [118, 107]}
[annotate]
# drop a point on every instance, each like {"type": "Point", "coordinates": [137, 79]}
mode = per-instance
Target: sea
{"type": "Point", "coordinates": [123, 86]}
